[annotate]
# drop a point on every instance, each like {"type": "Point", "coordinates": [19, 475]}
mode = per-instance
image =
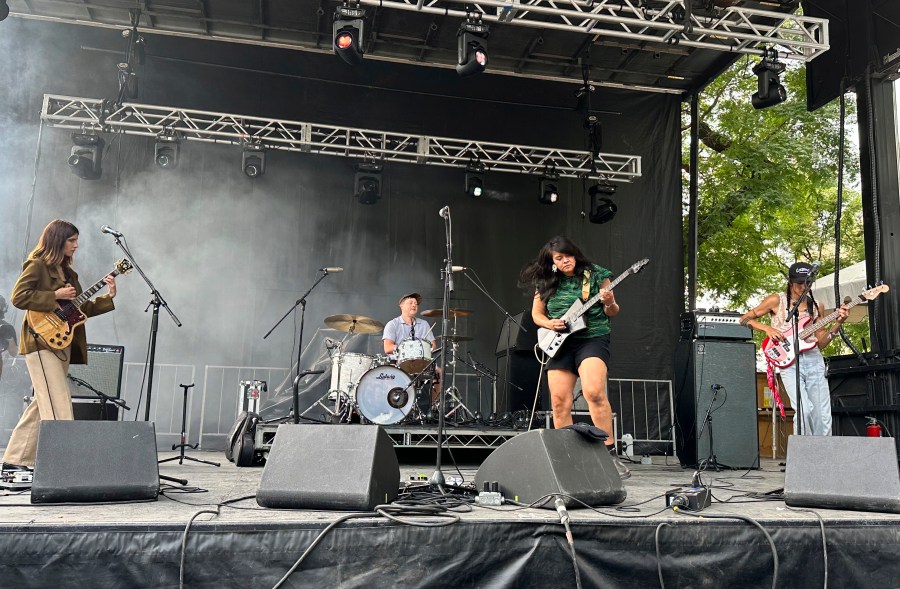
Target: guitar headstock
{"type": "Point", "coordinates": [639, 265]}
{"type": "Point", "coordinates": [124, 266]}
{"type": "Point", "coordinates": [876, 290]}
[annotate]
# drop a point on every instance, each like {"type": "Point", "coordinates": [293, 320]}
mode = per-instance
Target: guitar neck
{"type": "Point", "coordinates": [811, 329]}
{"type": "Point", "coordinates": [86, 295]}
{"type": "Point", "coordinates": [593, 300]}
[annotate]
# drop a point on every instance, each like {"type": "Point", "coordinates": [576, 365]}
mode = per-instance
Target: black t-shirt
{"type": "Point", "coordinates": [7, 333]}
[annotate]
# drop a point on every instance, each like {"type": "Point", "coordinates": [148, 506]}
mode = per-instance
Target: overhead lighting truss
{"type": "Point", "coordinates": [194, 125]}
{"type": "Point", "coordinates": [730, 29]}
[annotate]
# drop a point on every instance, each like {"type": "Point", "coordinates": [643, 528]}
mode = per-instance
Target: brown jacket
{"type": "Point", "coordinates": [35, 290]}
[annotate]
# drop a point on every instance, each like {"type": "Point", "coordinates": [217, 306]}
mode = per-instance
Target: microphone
{"type": "Point", "coordinates": [815, 266]}
{"type": "Point", "coordinates": [459, 268]}
{"type": "Point", "coordinates": [331, 270]}
{"type": "Point", "coordinates": [445, 212]}
{"type": "Point", "coordinates": [111, 231]}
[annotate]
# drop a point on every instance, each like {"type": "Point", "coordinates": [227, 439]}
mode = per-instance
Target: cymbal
{"type": "Point", "coordinates": [455, 338]}
{"type": "Point", "coordinates": [440, 313]}
{"type": "Point", "coordinates": [354, 323]}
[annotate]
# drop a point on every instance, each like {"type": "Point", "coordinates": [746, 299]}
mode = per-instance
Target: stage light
{"type": "Point", "coordinates": [549, 193]}
{"type": "Point", "coordinates": [86, 157]}
{"type": "Point", "coordinates": [4, 9]}
{"type": "Point", "coordinates": [471, 40]}
{"type": "Point", "coordinates": [253, 160]}
{"type": "Point", "coordinates": [367, 183]}
{"type": "Point", "coordinates": [165, 152]}
{"type": "Point", "coordinates": [475, 179]}
{"type": "Point", "coordinates": [603, 209]}
{"type": "Point", "coordinates": [769, 89]}
{"type": "Point", "coordinates": [348, 34]}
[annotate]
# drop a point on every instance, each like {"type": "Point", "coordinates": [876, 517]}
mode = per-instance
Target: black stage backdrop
{"type": "Point", "coordinates": [232, 254]}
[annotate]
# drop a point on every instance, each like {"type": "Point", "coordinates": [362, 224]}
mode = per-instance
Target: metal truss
{"type": "Point", "coordinates": [88, 114]}
{"type": "Point", "coordinates": [426, 437]}
{"type": "Point", "coordinates": [732, 29]}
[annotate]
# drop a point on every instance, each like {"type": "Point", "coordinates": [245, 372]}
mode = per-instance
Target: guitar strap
{"type": "Point", "coordinates": [586, 285]}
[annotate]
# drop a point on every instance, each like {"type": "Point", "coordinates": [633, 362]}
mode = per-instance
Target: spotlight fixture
{"type": "Point", "coordinates": [549, 194]}
{"type": "Point", "coordinates": [348, 33]}
{"type": "Point", "coordinates": [475, 179]}
{"type": "Point", "coordinates": [769, 89]}
{"type": "Point", "coordinates": [367, 182]}
{"type": "Point", "coordinates": [165, 152]}
{"type": "Point", "coordinates": [253, 160]}
{"type": "Point", "coordinates": [471, 41]}
{"type": "Point", "coordinates": [603, 209]}
{"type": "Point", "coordinates": [86, 157]}
{"type": "Point", "coordinates": [4, 9]}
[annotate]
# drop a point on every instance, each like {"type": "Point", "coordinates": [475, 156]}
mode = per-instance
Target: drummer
{"type": "Point", "coordinates": [407, 325]}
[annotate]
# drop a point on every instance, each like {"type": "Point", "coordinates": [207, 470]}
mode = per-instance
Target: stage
{"type": "Point", "coordinates": [243, 545]}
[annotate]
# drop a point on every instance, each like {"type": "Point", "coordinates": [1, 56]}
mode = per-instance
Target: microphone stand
{"type": "Point", "coordinates": [302, 302]}
{"type": "Point", "coordinates": [156, 302]}
{"type": "Point", "coordinates": [508, 318]}
{"type": "Point", "coordinates": [794, 315]}
{"type": "Point", "coordinates": [437, 478]}
{"type": "Point", "coordinates": [104, 398]}
{"type": "Point", "coordinates": [711, 458]}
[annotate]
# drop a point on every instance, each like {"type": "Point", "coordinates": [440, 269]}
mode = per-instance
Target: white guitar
{"type": "Point", "coordinates": [781, 353]}
{"type": "Point", "coordinates": [551, 341]}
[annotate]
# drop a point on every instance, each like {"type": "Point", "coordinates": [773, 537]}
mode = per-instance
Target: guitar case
{"type": "Point", "coordinates": [239, 448]}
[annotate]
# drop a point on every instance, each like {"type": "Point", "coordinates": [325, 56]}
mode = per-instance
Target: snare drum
{"type": "Point", "coordinates": [413, 355]}
{"type": "Point", "coordinates": [384, 395]}
{"type": "Point", "coordinates": [347, 369]}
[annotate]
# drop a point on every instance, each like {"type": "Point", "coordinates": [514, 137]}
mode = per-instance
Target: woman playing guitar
{"type": "Point", "coordinates": [47, 277]}
{"type": "Point", "coordinates": [816, 397]}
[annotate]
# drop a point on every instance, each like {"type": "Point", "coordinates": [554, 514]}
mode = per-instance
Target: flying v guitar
{"type": "Point", "coordinates": [55, 327]}
{"type": "Point", "coordinates": [551, 341]}
{"type": "Point", "coordinates": [781, 353]}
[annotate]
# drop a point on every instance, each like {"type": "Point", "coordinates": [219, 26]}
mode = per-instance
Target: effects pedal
{"type": "Point", "coordinates": [692, 499]}
{"type": "Point", "coordinates": [16, 480]}
{"type": "Point", "coordinates": [491, 494]}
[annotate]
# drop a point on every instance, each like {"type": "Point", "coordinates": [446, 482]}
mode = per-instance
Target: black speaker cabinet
{"type": "Point", "coordinates": [91, 461]}
{"type": "Point", "coordinates": [848, 472]}
{"type": "Point", "coordinates": [727, 370]}
{"type": "Point", "coordinates": [344, 467]}
{"type": "Point", "coordinates": [545, 461]}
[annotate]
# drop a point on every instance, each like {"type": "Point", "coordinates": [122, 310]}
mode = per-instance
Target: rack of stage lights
{"type": "Point", "coordinates": [733, 29]}
{"type": "Point", "coordinates": [95, 115]}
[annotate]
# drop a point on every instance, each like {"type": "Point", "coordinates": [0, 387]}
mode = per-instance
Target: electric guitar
{"type": "Point", "coordinates": [550, 341]}
{"type": "Point", "coordinates": [55, 327]}
{"type": "Point", "coordinates": [781, 353]}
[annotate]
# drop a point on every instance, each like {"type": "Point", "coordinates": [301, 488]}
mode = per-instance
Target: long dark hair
{"type": "Point", "coordinates": [812, 307]}
{"type": "Point", "coordinates": [538, 274]}
{"type": "Point", "coordinates": [51, 246]}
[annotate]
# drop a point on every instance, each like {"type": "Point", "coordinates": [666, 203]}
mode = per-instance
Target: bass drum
{"type": "Point", "coordinates": [385, 395]}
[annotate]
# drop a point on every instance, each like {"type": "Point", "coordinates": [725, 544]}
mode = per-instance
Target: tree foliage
{"type": "Point", "coordinates": [768, 188]}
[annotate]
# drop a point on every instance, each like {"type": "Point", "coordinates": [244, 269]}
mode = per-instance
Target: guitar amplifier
{"type": "Point", "coordinates": [702, 324]}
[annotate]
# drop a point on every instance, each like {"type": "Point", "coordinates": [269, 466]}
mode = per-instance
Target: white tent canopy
{"type": "Point", "coordinates": [852, 283]}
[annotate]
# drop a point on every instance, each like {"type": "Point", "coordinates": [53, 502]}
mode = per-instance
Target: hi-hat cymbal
{"type": "Point", "coordinates": [354, 323]}
{"type": "Point", "coordinates": [455, 338]}
{"type": "Point", "coordinates": [440, 313]}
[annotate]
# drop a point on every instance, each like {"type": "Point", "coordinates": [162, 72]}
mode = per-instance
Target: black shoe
{"type": "Point", "coordinates": [7, 467]}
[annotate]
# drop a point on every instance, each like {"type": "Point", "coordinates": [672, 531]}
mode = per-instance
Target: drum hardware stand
{"type": "Point", "coordinates": [302, 303]}
{"type": "Point", "coordinates": [156, 302]}
{"type": "Point", "coordinates": [452, 390]}
{"type": "Point", "coordinates": [507, 320]}
{"type": "Point", "coordinates": [181, 457]}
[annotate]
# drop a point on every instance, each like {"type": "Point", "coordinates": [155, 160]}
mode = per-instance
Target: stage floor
{"type": "Point", "coordinates": [141, 544]}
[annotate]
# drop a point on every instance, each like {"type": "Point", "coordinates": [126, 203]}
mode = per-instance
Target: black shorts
{"type": "Point", "coordinates": [575, 350]}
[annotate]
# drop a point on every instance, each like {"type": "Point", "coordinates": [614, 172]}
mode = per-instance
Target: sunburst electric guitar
{"type": "Point", "coordinates": [55, 327]}
{"type": "Point", "coordinates": [551, 341]}
{"type": "Point", "coordinates": [781, 353]}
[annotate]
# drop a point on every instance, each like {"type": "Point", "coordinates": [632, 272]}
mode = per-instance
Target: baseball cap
{"type": "Point", "coordinates": [800, 272]}
{"type": "Point", "coordinates": [412, 295]}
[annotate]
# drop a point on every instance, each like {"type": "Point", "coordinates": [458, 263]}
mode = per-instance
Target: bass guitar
{"type": "Point", "coordinates": [55, 327]}
{"type": "Point", "coordinates": [781, 353]}
{"type": "Point", "coordinates": [551, 341]}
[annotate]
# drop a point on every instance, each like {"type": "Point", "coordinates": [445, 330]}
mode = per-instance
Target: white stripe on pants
{"type": "Point", "coordinates": [52, 400]}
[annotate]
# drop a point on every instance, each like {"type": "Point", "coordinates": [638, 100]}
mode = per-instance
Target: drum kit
{"type": "Point", "coordinates": [391, 389]}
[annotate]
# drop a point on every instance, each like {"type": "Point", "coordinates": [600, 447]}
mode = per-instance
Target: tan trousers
{"type": "Point", "coordinates": [51, 401]}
